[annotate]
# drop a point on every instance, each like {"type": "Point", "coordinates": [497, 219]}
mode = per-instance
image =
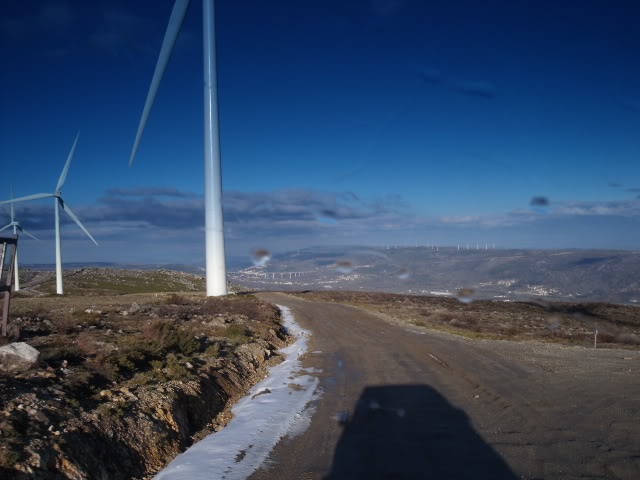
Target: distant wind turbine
{"type": "Point", "coordinates": [216, 270]}
{"type": "Point", "coordinates": [16, 228]}
{"type": "Point", "coordinates": [59, 203]}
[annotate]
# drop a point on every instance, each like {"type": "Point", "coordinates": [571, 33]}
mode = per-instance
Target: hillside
{"type": "Point", "coordinates": [582, 275]}
{"type": "Point", "coordinates": [111, 281]}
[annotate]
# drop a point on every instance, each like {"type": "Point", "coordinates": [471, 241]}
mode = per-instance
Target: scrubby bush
{"type": "Point", "coordinates": [213, 350]}
{"type": "Point", "coordinates": [628, 338]}
{"type": "Point", "coordinates": [54, 353]}
{"type": "Point", "coordinates": [174, 369]}
{"type": "Point", "coordinates": [236, 334]}
{"type": "Point", "coordinates": [81, 381]}
{"type": "Point", "coordinates": [70, 321]}
{"type": "Point", "coordinates": [248, 306]}
{"type": "Point", "coordinates": [160, 340]}
{"type": "Point", "coordinates": [175, 299]}
{"type": "Point", "coordinates": [87, 344]}
{"type": "Point", "coordinates": [168, 337]}
{"type": "Point", "coordinates": [163, 371]}
{"type": "Point", "coordinates": [606, 337]}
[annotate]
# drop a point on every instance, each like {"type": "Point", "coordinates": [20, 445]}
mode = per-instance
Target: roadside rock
{"type": "Point", "coordinates": [135, 308]}
{"type": "Point", "coordinates": [17, 357]}
{"type": "Point", "coordinates": [252, 354]}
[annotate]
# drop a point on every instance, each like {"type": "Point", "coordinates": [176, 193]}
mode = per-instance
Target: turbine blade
{"type": "Point", "coordinates": [65, 170]}
{"type": "Point", "coordinates": [13, 208]}
{"type": "Point", "coordinates": [170, 36]}
{"type": "Point", "coordinates": [6, 226]}
{"type": "Point", "coordinates": [29, 197]}
{"type": "Point", "coordinates": [66, 208]}
{"type": "Point", "coordinates": [22, 230]}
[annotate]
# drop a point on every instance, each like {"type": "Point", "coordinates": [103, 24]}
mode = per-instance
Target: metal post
{"type": "Point", "coordinates": [4, 251]}
{"type": "Point", "coordinates": [7, 294]}
{"type": "Point", "coordinates": [214, 224]}
{"type": "Point", "coordinates": [59, 287]}
{"type": "Point", "coordinates": [5, 287]}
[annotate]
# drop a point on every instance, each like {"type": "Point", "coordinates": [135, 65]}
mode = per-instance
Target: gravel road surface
{"type": "Point", "coordinates": [398, 402]}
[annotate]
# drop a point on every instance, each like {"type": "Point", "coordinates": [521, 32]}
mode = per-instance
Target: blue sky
{"type": "Point", "coordinates": [370, 121]}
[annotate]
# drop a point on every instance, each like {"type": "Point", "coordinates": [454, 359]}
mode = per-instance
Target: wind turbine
{"type": "Point", "coordinates": [59, 203]}
{"type": "Point", "coordinates": [216, 270]}
{"type": "Point", "coordinates": [16, 228]}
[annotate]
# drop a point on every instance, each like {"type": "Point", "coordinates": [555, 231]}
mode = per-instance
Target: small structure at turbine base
{"type": "Point", "coordinates": [5, 283]}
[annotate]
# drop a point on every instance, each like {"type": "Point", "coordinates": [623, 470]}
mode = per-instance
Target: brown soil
{"type": "Point", "coordinates": [127, 382]}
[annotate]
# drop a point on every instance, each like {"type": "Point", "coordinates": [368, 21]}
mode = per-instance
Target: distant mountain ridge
{"type": "Point", "coordinates": [585, 275]}
{"type": "Point", "coordinates": [508, 274]}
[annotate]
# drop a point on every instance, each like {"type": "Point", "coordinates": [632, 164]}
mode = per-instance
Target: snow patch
{"type": "Point", "coordinates": [259, 422]}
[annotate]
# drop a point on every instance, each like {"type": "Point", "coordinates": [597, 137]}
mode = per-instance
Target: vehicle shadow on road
{"type": "Point", "coordinates": [412, 432]}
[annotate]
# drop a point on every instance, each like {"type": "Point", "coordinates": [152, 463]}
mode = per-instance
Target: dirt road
{"type": "Point", "coordinates": [424, 404]}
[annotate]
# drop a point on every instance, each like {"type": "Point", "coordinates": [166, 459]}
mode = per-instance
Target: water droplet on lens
{"type": "Point", "coordinates": [342, 417]}
{"type": "Point", "coordinates": [344, 266]}
{"type": "Point", "coordinates": [553, 322]}
{"type": "Point", "coordinates": [373, 253]}
{"type": "Point", "coordinates": [328, 216]}
{"type": "Point", "coordinates": [403, 273]}
{"type": "Point", "coordinates": [465, 295]}
{"type": "Point", "coordinates": [540, 204]}
{"type": "Point", "coordinates": [261, 257]}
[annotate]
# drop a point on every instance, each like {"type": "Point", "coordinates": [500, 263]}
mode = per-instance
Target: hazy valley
{"type": "Point", "coordinates": [576, 275]}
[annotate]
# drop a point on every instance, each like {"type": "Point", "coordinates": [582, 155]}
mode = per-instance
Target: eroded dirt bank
{"type": "Point", "coordinates": [124, 384]}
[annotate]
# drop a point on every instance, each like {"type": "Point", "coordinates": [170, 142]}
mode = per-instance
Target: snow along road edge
{"type": "Point", "coordinates": [258, 424]}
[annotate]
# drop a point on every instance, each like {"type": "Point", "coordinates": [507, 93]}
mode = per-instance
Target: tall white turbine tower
{"type": "Point", "coordinates": [16, 228]}
{"type": "Point", "coordinates": [216, 270]}
{"type": "Point", "coordinates": [58, 204]}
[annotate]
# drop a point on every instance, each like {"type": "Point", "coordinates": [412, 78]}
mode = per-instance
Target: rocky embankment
{"type": "Point", "coordinates": [118, 391]}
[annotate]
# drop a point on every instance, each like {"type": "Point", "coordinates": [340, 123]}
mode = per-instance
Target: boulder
{"type": "Point", "coordinates": [252, 354]}
{"type": "Point", "coordinates": [135, 308]}
{"type": "Point", "coordinates": [17, 357]}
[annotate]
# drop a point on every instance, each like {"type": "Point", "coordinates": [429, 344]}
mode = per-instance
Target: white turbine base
{"type": "Point", "coordinates": [216, 270]}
